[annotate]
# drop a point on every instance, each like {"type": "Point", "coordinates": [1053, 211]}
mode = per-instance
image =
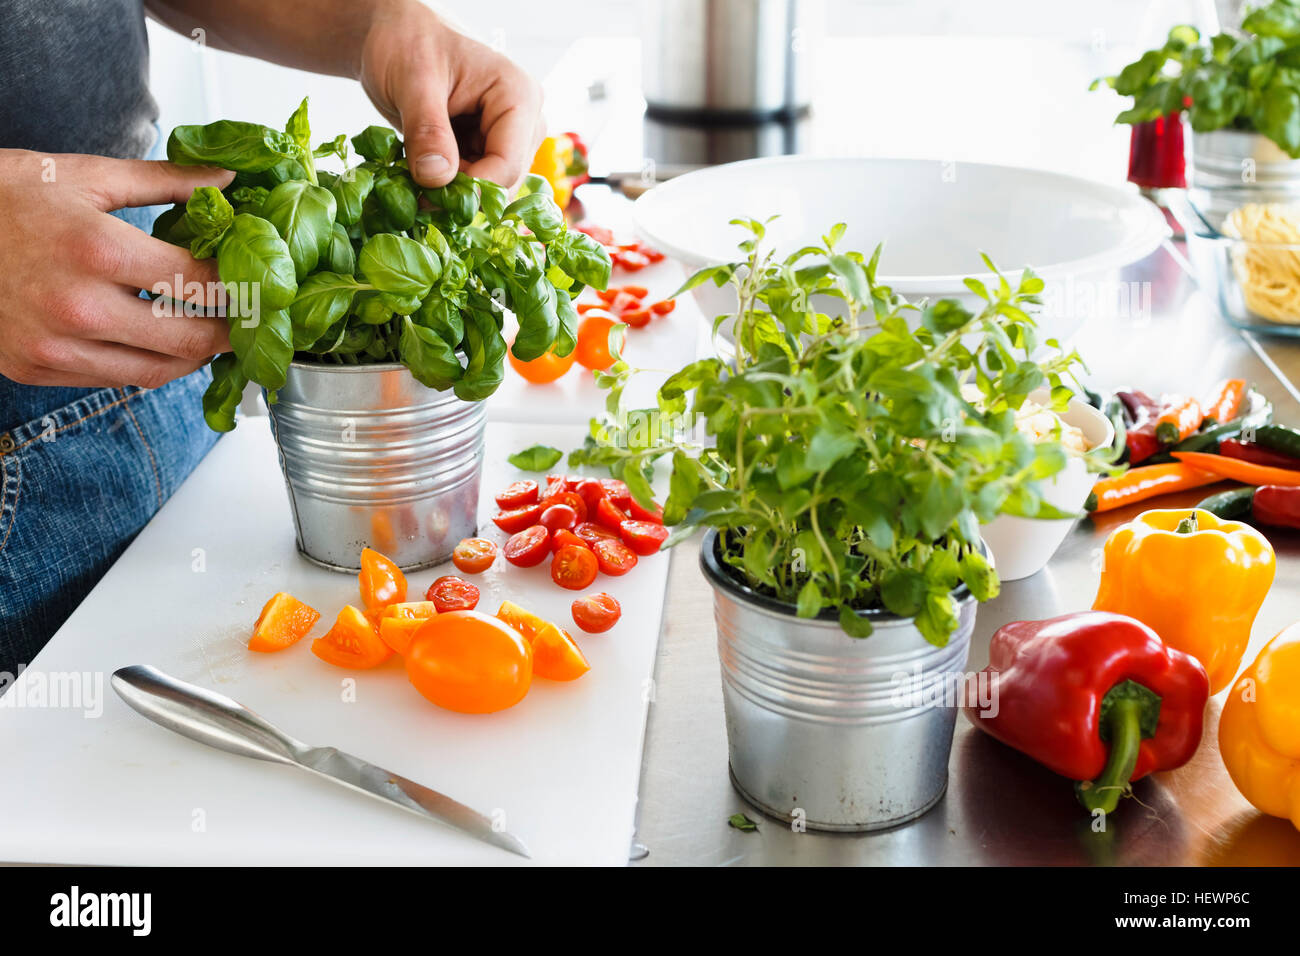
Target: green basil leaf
{"type": "Point", "coordinates": [539, 213]}
{"type": "Point", "coordinates": [581, 257]}
{"type": "Point", "coordinates": [223, 394]}
{"type": "Point", "coordinates": [378, 144]}
{"type": "Point", "coordinates": [339, 254]}
{"type": "Point", "coordinates": [398, 265]}
{"type": "Point", "coordinates": [485, 352]}
{"type": "Point", "coordinates": [536, 458]}
{"type": "Point", "coordinates": [243, 147]}
{"type": "Point", "coordinates": [303, 215]}
{"type": "Point", "coordinates": [264, 347]}
{"type": "Point", "coordinates": [253, 256]}
{"type": "Point", "coordinates": [209, 214]}
{"type": "Point", "coordinates": [350, 191]}
{"type": "Point", "coordinates": [323, 299]}
{"type": "Point", "coordinates": [398, 197]}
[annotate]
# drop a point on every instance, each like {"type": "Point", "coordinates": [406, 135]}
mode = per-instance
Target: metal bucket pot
{"type": "Point", "coordinates": [372, 458]}
{"type": "Point", "coordinates": [841, 733]}
{"type": "Point", "coordinates": [1227, 159]}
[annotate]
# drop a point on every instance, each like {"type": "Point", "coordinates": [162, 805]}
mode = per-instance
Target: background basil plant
{"type": "Point", "coordinates": [1246, 81]}
{"type": "Point", "coordinates": [364, 266]}
{"type": "Point", "coordinates": [848, 462]}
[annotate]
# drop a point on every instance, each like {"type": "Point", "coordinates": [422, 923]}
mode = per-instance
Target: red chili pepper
{"type": "Point", "coordinates": [1094, 696]}
{"type": "Point", "coordinates": [1143, 415]}
{"type": "Point", "coordinates": [1276, 505]}
{"type": "Point", "coordinates": [1257, 454]}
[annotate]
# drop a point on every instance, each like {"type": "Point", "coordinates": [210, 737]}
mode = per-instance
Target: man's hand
{"type": "Point", "coordinates": [433, 83]}
{"type": "Point", "coordinates": [69, 309]}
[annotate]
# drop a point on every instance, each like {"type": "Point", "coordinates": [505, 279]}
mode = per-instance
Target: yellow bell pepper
{"type": "Point", "coordinates": [1196, 580]}
{"type": "Point", "coordinates": [1259, 731]}
{"type": "Point", "coordinates": [562, 162]}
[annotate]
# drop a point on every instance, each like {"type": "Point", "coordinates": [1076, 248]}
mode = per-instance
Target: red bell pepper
{"type": "Point", "coordinates": [1096, 697]}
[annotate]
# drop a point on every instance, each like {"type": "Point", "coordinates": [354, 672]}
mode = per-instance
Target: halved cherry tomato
{"type": "Point", "coordinates": [528, 547]}
{"type": "Point", "coordinates": [631, 261]}
{"type": "Point", "coordinates": [474, 555]}
{"type": "Point", "coordinates": [517, 519]}
{"type": "Point", "coordinates": [596, 613]}
{"type": "Point", "coordinates": [556, 656]}
{"type": "Point", "coordinates": [517, 494]}
{"type": "Point", "coordinates": [352, 642]}
{"type": "Point", "coordinates": [607, 295]}
{"type": "Point", "coordinates": [637, 318]}
{"type": "Point", "coordinates": [470, 662]}
{"type": "Point", "coordinates": [284, 620]}
{"type": "Point", "coordinates": [398, 622]}
{"type": "Point", "coordinates": [590, 532]}
{"type": "Point", "coordinates": [559, 517]}
{"type": "Point", "coordinates": [624, 303]}
{"type": "Point", "coordinates": [590, 491]}
{"type": "Point", "coordinates": [637, 291]}
{"type": "Point", "coordinates": [574, 567]}
{"type": "Point", "coordinates": [663, 307]}
{"type": "Point", "coordinates": [563, 538]}
{"type": "Point", "coordinates": [593, 349]}
{"type": "Point", "coordinates": [614, 557]}
{"type": "Point", "coordinates": [585, 307]}
{"type": "Point", "coordinates": [643, 537]}
{"type": "Point", "coordinates": [382, 582]}
{"type": "Point", "coordinates": [450, 593]}
{"type": "Point", "coordinates": [616, 490]}
{"type": "Point", "coordinates": [547, 367]}
{"type": "Point", "coordinates": [609, 515]}
{"type": "Point", "coordinates": [643, 514]}
{"type": "Point", "coordinates": [555, 485]}
{"type": "Point", "coordinates": [570, 499]}
{"type": "Point", "coordinates": [522, 620]}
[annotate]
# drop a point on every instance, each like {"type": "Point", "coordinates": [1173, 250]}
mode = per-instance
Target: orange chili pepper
{"type": "Point", "coordinates": [1246, 472]}
{"type": "Point", "coordinates": [1139, 484]}
{"type": "Point", "coordinates": [1225, 403]}
{"type": "Point", "coordinates": [1180, 419]}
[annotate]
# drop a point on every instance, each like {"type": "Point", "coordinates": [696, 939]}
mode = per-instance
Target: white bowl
{"type": "Point", "coordinates": [1023, 546]}
{"type": "Point", "coordinates": [935, 219]}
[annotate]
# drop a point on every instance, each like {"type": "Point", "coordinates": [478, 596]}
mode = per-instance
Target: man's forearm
{"type": "Point", "coordinates": [323, 36]}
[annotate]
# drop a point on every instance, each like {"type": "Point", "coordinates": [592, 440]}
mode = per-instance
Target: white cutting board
{"type": "Point", "coordinates": [562, 766]}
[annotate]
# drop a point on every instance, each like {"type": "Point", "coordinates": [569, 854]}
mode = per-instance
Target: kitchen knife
{"type": "Point", "coordinates": [220, 722]}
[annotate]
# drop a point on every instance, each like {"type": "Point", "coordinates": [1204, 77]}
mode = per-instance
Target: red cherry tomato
{"type": "Point", "coordinates": [607, 295]}
{"type": "Point", "coordinates": [642, 514]}
{"type": "Point", "coordinates": [609, 514]}
{"type": "Point", "coordinates": [450, 593]}
{"type": "Point", "coordinates": [596, 612]}
{"type": "Point", "coordinates": [617, 491]}
{"type": "Point", "coordinates": [590, 491]}
{"type": "Point", "coordinates": [559, 517]}
{"type": "Point", "coordinates": [631, 261]}
{"type": "Point", "coordinates": [664, 307]}
{"type": "Point", "coordinates": [563, 538]}
{"type": "Point", "coordinates": [637, 318]}
{"type": "Point", "coordinates": [473, 555]}
{"type": "Point", "coordinates": [570, 499]}
{"type": "Point", "coordinates": [589, 533]}
{"type": "Point", "coordinates": [613, 557]}
{"type": "Point", "coordinates": [517, 519]}
{"type": "Point", "coordinates": [554, 486]}
{"type": "Point", "coordinates": [643, 537]}
{"type": "Point", "coordinates": [528, 547]}
{"type": "Point", "coordinates": [636, 291]}
{"type": "Point", "coordinates": [573, 567]}
{"type": "Point", "coordinates": [516, 494]}
{"type": "Point", "coordinates": [624, 302]}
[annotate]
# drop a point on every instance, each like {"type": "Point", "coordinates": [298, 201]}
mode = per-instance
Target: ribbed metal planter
{"type": "Point", "coordinates": [372, 458]}
{"type": "Point", "coordinates": [1229, 159]}
{"type": "Point", "coordinates": [838, 732]}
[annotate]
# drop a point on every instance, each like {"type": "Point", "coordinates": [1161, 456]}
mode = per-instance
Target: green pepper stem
{"type": "Point", "coordinates": [1124, 723]}
{"type": "Point", "coordinates": [1187, 525]}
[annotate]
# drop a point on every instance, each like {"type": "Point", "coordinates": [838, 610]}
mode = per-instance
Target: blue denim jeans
{"type": "Point", "coordinates": [81, 472]}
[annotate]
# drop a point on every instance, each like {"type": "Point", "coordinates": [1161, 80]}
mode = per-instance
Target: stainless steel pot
{"type": "Point", "coordinates": [840, 733]}
{"type": "Point", "coordinates": [744, 59]}
{"type": "Point", "coordinates": [372, 458]}
{"type": "Point", "coordinates": [1226, 160]}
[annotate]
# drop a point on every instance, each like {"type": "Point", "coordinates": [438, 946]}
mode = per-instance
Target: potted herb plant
{"type": "Point", "coordinates": [371, 311]}
{"type": "Point", "coordinates": [842, 475]}
{"type": "Point", "coordinates": [1240, 92]}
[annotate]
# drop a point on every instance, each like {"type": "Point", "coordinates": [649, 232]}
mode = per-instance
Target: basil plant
{"type": "Point", "coordinates": [362, 265]}
{"type": "Point", "coordinates": [848, 461]}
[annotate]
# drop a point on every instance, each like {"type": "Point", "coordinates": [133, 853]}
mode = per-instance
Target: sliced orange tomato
{"type": "Point", "coordinates": [352, 642]}
{"type": "Point", "coordinates": [398, 622]}
{"type": "Point", "coordinates": [469, 662]}
{"type": "Point", "coordinates": [556, 656]}
{"type": "Point", "coordinates": [382, 582]}
{"type": "Point", "coordinates": [547, 367]}
{"type": "Point", "coordinates": [474, 555]}
{"type": "Point", "coordinates": [522, 620]}
{"type": "Point", "coordinates": [284, 621]}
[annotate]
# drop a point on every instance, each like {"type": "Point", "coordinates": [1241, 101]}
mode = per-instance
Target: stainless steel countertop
{"type": "Point", "coordinates": [1001, 807]}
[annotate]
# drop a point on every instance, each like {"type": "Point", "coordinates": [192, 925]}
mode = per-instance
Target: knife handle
{"type": "Point", "coordinates": [203, 715]}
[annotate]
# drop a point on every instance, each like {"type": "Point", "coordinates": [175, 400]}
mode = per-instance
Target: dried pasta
{"type": "Point", "coordinates": [1269, 277]}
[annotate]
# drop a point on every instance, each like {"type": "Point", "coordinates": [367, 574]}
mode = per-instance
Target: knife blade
{"type": "Point", "coordinates": [219, 721]}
